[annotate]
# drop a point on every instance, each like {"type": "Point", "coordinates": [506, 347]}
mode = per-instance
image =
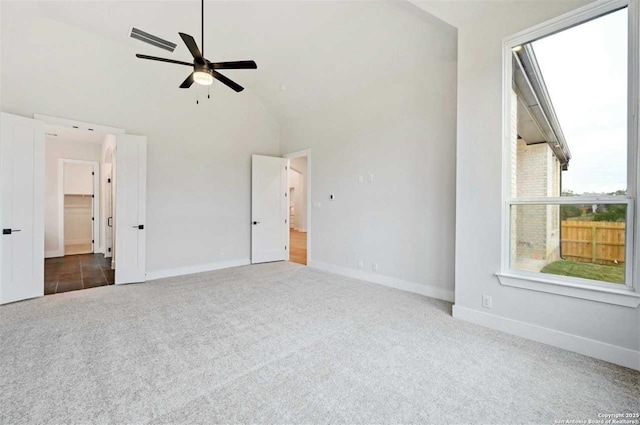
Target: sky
{"type": "Point", "coordinates": [585, 70]}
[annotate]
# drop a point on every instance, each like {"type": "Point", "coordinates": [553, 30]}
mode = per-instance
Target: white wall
{"type": "Point", "coordinates": [78, 179]}
{"type": "Point", "coordinates": [577, 324]}
{"type": "Point", "coordinates": [401, 129]}
{"type": "Point", "coordinates": [299, 165]}
{"type": "Point", "coordinates": [54, 151]}
{"type": "Point", "coordinates": [198, 182]}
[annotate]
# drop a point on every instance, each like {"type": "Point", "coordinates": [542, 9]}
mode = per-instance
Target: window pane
{"type": "Point", "coordinates": [585, 241]}
{"type": "Point", "coordinates": [569, 111]}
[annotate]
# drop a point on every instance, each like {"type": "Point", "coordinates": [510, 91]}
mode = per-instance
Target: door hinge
{"type": "Point", "coordinates": [109, 249]}
{"type": "Point", "coordinates": [285, 221]}
{"type": "Point", "coordinates": [285, 195]}
{"type": "Point", "coordinates": [93, 174]}
{"type": "Point", "coordinates": [92, 241]}
{"type": "Point", "coordinates": [93, 196]}
{"type": "Point", "coordinates": [286, 168]}
{"type": "Point", "coordinates": [93, 218]}
{"type": "Point", "coordinates": [285, 247]}
{"type": "Point", "coordinates": [108, 180]}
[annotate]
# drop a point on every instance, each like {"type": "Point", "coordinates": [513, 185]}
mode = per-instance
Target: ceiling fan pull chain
{"type": "Point", "coordinates": [208, 92]}
{"type": "Point", "coordinates": [197, 98]}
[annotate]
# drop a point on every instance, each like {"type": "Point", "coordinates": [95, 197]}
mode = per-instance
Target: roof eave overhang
{"type": "Point", "coordinates": [529, 83]}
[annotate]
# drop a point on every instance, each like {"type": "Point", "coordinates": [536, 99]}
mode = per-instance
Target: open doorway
{"type": "Point", "coordinates": [75, 207]}
{"type": "Point", "coordinates": [280, 208]}
{"type": "Point", "coordinates": [30, 200]}
{"type": "Point", "coordinates": [298, 176]}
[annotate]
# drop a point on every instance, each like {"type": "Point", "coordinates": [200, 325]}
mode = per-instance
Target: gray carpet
{"type": "Point", "coordinates": [281, 343]}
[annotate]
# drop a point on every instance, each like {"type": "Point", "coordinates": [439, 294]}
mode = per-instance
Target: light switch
{"type": "Point", "coordinates": [361, 179]}
{"type": "Point", "coordinates": [370, 178]}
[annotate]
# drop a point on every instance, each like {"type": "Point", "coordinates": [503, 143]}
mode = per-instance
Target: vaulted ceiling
{"type": "Point", "coordinates": [309, 54]}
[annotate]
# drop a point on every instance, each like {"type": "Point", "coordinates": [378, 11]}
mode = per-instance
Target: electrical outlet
{"type": "Point", "coordinates": [361, 264]}
{"type": "Point", "coordinates": [375, 267]}
{"type": "Point", "coordinates": [487, 301]}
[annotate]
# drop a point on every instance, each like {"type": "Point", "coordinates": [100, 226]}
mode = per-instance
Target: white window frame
{"type": "Point", "coordinates": [628, 294]}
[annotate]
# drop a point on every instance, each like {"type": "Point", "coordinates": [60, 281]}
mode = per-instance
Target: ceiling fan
{"type": "Point", "coordinates": [204, 71]}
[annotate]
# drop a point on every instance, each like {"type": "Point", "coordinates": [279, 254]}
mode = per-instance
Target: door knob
{"type": "Point", "coordinates": [139, 226]}
{"type": "Point", "coordinates": [10, 231]}
{"type": "Point", "coordinates": [256, 222]}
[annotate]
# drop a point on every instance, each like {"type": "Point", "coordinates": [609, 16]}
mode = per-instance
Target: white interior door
{"type": "Point", "coordinates": [108, 208]}
{"type": "Point", "coordinates": [130, 217]}
{"type": "Point", "coordinates": [21, 208]}
{"type": "Point", "coordinates": [269, 209]}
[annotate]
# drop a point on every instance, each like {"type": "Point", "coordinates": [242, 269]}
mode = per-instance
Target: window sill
{"type": "Point", "coordinates": [622, 297]}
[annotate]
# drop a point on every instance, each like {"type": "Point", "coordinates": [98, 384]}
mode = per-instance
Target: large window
{"type": "Point", "coordinates": [571, 142]}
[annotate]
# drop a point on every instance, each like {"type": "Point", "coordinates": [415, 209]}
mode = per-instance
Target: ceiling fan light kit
{"type": "Point", "coordinates": [204, 71]}
{"type": "Point", "coordinates": [202, 77]}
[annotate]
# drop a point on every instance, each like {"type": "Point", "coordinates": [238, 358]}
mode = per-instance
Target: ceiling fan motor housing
{"type": "Point", "coordinates": [202, 67]}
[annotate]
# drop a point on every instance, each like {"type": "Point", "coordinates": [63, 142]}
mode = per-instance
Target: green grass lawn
{"type": "Point", "coordinates": [613, 274]}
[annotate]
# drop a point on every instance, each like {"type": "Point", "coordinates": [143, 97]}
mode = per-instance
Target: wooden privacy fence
{"type": "Point", "coordinates": [599, 242]}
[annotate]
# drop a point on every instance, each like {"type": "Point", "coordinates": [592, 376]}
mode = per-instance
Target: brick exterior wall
{"type": "Point", "coordinates": [513, 237]}
{"type": "Point", "coordinates": [535, 235]}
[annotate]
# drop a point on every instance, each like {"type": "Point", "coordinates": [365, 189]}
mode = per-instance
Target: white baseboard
{"type": "Point", "coordinates": [589, 347]}
{"type": "Point", "coordinates": [198, 268]}
{"type": "Point", "coordinates": [53, 254]}
{"type": "Point", "coordinates": [418, 288]}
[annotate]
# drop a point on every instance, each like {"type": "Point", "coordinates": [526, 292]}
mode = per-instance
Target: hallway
{"type": "Point", "coordinates": [298, 242]}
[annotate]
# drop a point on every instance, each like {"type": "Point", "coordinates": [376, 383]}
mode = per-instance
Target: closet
{"type": "Point", "coordinates": [78, 208]}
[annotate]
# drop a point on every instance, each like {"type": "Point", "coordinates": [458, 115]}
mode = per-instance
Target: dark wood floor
{"type": "Point", "coordinates": [74, 272]}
